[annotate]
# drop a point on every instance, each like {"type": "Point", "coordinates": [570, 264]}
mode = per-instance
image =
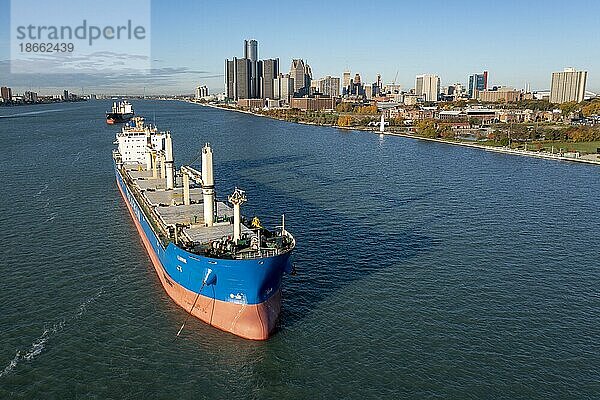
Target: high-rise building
{"type": "Point", "coordinates": [237, 73]}
{"type": "Point", "coordinates": [251, 54]}
{"type": "Point", "coordinates": [269, 71]}
{"type": "Point", "coordinates": [568, 85]}
{"type": "Point", "coordinates": [346, 82]}
{"type": "Point", "coordinates": [283, 88]}
{"type": "Point", "coordinates": [298, 73]}
{"type": "Point", "coordinates": [244, 77]}
{"type": "Point", "coordinates": [6, 93]}
{"type": "Point", "coordinates": [427, 87]}
{"type": "Point", "coordinates": [30, 97]}
{"type": "Point", "coordinates": [328, 86]}
{"type": "Point", "coordinates": [65, 95]}
{"type": "Point", "coordinates": [201, 91]}
{"type": "Point", "coordinates": [307, 75]}
{"type": "Point", "coordinates": [477, 82]}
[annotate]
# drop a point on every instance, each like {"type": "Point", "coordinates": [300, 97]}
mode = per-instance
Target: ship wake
{"type": "Point", "coordinates": [39, 344]}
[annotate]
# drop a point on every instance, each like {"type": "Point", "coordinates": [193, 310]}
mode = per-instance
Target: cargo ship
{"type": "Point", "coordinates": [121, 112]}
{"type": "Point", "coordinates": [215, 264]}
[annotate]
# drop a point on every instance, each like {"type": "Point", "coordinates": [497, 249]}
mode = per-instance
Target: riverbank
{"type": "Point", "coordinates": [588, 159]}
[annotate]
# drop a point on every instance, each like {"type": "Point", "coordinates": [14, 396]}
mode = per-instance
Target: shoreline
{"type": "Point", "coordinates": [503, 150]}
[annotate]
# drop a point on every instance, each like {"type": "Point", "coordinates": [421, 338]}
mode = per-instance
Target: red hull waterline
{"type": "Point", "coordinates": [250, 321]}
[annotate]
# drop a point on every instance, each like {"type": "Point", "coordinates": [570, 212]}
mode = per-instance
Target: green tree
{"type": "Point", "coordinates": [426, 128]}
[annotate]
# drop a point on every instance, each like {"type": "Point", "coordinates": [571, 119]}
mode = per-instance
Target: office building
{"type": "Point", "coordinates": [237, 74]}
{"type": "Point", "coordinates": [568, 85]}
{"type": "Point", "coordinates": [283, 88]}
{"type": "Point", "coordinates": [201, 92]}
{"type": "Point", "coordinates": [313, 103]}
{"type": "Point", "coordinates": [301, 73]}
{"type": "Point", "coordinates": [427, 87]}
{"type": "Point", "coordinates": [251, 54]}
{"type": "Point", "coordinates": [30, 97]}
{"type": "Point", "coordinates": [269, 70]}
{"type": "Point", "coordinates": [477, 82]}
{"type": "Point", "coordinates": [346, 83]}
{"type": "Point", "coordinates": [6, 93]}
{"type": "Point", "coordinates": [249, 77]}
{"type": "Point", "coordinates": [327, 86]}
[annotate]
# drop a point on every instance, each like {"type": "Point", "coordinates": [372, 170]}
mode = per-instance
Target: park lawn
{"type": "Point", "coordinates": [582, 147]}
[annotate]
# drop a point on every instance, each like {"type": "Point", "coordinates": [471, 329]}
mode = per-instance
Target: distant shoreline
{"type": "Point", "coordinates": [504, 150]}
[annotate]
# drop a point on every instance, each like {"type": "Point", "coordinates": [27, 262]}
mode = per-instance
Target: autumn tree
{"type": "Point", "coordinates": [426, 128]}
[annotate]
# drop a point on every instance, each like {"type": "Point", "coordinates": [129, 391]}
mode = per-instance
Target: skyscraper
{"type": "Point", "coordinates": [249, 77]}
{"type": "Point", "coordinates": [269, 70]}
{"type": "Point", "coordinates": [427, 86]}
{"type": "Point", "coordinates": [283, 87]}
{"type": "Point", "coordinates": [251, 54]}
{"type": "Point", "coordinates": [302, 75]}
{"type": "Point", "coordinates": [237, 75]}
{"type": "Point", "coordinates": [477, 82]}
{"type": "Point", "coordinates": [6, 93]}
{"type": "Point", "coordinates": [201, 91]}
{"type": "Point", "coordinates": [345, 82]}
{"type": "Point", "coordinates": [328, 86]}
{"type": "Point", "coordinates": [568, 85]}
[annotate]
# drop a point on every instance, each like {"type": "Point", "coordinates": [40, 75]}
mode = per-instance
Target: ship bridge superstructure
{"type": "Point", "coordinates": [181, 204]}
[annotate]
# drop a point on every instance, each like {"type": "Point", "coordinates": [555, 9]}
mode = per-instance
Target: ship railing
{"type": "Point", "coordinates": [263, 253]}
{"type": "Point", "coordinates": [153, 219]}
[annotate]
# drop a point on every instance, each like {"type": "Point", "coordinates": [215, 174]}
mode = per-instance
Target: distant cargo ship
{"type": "Point", "coordinates": [121, 112]}
{"type": "Point", "coordinates": [216, 265]}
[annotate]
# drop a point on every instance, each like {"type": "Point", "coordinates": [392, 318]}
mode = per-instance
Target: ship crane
{"type": "Point", "coordinates": [237, 198]}
{"type": "Point", "coordinates": [206, 180]}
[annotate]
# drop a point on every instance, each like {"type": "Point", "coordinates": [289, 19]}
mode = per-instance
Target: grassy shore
{"type": "Point", "coordinates": [536, 149]}
{"type": "Point", "coordinates": [582, 147]}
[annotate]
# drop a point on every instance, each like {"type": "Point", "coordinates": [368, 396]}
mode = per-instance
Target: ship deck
{"type": "Point", "coordinates": [168, 205]}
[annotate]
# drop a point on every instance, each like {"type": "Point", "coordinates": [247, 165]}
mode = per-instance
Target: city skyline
{"type": "Point", "coordinates": [517, 43]}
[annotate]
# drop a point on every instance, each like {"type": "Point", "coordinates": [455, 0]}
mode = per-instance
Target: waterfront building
{"type": "Point", "coordinates": [427, 86]}
{"type": "Point", "coordinates": [283, 88]}
{"type": "Point", "coordinates": [249, 77]}
{"type": "Point", "coordinates": [30, 97]}
{"type": "Point", "coordinates": [313, 103]}
{"type": "Point", "coordinates": [269, 71]}
{"type": "Point", "coordinates": [201, 92]}
{"type": "Point", "coordinates": [568, 85]}
{"type": "Point", "coordinates": [302, 75]}
{"type": "Point", "coordinates": [477, 82]}
{"type": "Point", "coordinates": [251, 104]}
{"type": "Point", "coordinates": [328, 86]}
{"type": "Point", "coordinates": [251, 54]}
{"type": "Point", "coordinates": [237, 73]}
{"type": "Point", "coordinates": [6, 93]}
{"type": "Point", "coordinates": [65, 95]}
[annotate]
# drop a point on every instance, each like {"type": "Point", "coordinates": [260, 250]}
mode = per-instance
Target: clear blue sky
{"type": "Point", "coordinates": [516, 41]}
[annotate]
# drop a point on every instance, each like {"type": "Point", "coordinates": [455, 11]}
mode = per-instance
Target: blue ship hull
{"type": "Point", "coordinates": [239, 296]}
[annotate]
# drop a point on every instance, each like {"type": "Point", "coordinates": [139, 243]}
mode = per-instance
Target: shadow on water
{"type": "Point", "coordinates": [334, 249]}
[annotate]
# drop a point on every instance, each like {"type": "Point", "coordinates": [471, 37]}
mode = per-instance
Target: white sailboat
{"type": "Point", "coordinates": [382, 125]}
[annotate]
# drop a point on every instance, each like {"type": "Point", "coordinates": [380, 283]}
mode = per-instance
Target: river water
{"type": "Point", "coordinates": [424, 270]}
